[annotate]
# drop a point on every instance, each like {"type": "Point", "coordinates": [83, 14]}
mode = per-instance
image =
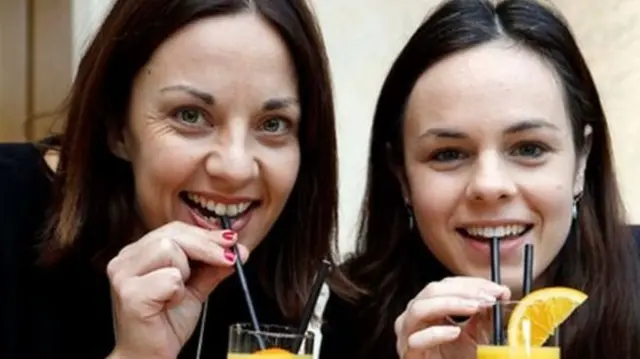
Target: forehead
{"type": "Point", "coordinates": [220, 49]}
{"type": "Point", "coordinates": [494, 83]}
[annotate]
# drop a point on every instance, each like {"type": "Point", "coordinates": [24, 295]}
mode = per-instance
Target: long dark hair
{"type": "Point", "coordinates": [600, 258]}
{"type": "Point", "coordinates": [93, 210]}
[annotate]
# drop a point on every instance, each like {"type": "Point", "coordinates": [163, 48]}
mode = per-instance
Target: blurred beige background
{"type": "Point", "coordinates": [42, 40]}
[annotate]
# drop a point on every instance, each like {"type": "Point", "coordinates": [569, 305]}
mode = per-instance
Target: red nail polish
{"type": "Point", "coordinates": [228, 235]}
{"type": "Point", "coordinates": [229, 255]}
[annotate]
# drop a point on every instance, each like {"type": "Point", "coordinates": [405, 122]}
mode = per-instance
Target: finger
{"type": "Point", "coordinates": [491, 288]}
{"type": "Point", "coordinates": [200, 239]}
{"type": "Point", "coordinates": [147, 295]}
{"type": "Point", "coordinates": [210, 247]}
{"type": "Point", "coordinates": [224, 238]}
{"type": "Point", "coordinates": [177, 229]}
{"type": "Point", "coordinates": [466, 287]}
{"type": "Point", "coordinates": [174, 249]}
{"type": "Point", "coordinates": [420, 313]}
{"type": "Point", "coordinates": [431, 337]}
{"type": "Point", "coordinates": [206, 278]}
{"type": "Point", "coordinates": [148, 257]}
{"type": "Point", "coordinates": [399, 323]}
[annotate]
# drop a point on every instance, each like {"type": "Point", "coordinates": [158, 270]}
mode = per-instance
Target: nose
{"type": "Point", "coordinates": [490, 181]}
{"type": "Point", "coordinates": [232, 162]}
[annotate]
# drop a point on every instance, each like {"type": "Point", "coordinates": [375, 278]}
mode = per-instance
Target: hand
{"type": "Point", "coordinates": [423, 330]}
{"type": "Point", "coordinates": [160, 282]}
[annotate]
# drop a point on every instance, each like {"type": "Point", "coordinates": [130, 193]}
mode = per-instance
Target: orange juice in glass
{"type": "Point", "coordinates": [507, 352]}
{"type": "Point", "coordinates": [281, 342]}
{"type": "Point", "coordinates": [533, 325]}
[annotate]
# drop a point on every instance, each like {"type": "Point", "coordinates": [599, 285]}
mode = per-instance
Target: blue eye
{"type": "Point", "coordinates": [532, 150]}
{"type": "Point", "coordinates": [190, 116]}
{"type": "Point", "coordinates": [275, 125]}
{"type": "Point", "coordinates": [447, 155]}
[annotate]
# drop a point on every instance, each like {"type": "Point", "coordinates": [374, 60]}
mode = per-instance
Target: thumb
{"type": "Point", "coordinates": [205, 279]}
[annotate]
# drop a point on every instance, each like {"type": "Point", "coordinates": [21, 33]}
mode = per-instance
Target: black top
{"type": "Point", "coordinates": [349, 329]}
{"type": "Point", "coordinates": [65, 311]}
{"type": "Point", "coordinates": [345, 332]}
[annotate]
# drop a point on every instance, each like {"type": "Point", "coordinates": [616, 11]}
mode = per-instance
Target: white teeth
{"type": "Point", "coordinates": [233, 209]}
{"type": "Point", "coordinates": [500, 231]}
{"type": "Point", "coordinates": [219, 209]}
{"type": "Point", "coordinates": [243, 207]}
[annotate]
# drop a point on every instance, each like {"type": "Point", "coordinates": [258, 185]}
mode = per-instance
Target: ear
{"type": "Point", "coordinates": [398, 171]}
{"type": "Point", "coordinates": [583, 156]}
{"type": "Point", "coordinates": [118, 141]}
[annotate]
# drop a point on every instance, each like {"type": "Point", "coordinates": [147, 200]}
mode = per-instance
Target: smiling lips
{"type": "Point", "coordinates": [211, 210]}
{"type": "Point", "coordinates": [503, 232]}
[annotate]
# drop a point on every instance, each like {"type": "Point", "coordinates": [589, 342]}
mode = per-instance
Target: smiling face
{"type": "Point", "coordinates": [489, 152]}
{"type": "Point", "coordinates": [212, 127]}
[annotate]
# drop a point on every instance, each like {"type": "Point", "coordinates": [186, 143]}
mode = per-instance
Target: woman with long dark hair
{"type": "Point", "coordinates": [181, 113]}
{"type": "Point", "coordinates": [488, 124]}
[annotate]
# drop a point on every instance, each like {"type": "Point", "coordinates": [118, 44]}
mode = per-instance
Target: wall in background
{"type": "Point", "coordinates": [35, 65]}
{"type": "Point", "coordinates": [363, 37]}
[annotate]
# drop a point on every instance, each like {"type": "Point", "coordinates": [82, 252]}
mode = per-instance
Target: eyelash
{"type": "Point", "coordinates": [541, 150]}
{"type": "Point", "coordinates": [435, 156]}
{"type": "Point", "coordinates": [202, 116]}
{"type": "Point", "coordinates": [175, 114]}
{"type": "Point", "coordinates": [285, 121]}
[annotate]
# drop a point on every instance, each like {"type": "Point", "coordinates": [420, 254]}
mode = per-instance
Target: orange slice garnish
{"type": "Point", "coordinates": [537, 315]}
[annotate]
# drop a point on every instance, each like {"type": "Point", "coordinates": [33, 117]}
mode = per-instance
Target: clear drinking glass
{"type": "Point", "coordinates": [481, 331]}
{"type": "Point", "coordinates": [244, 342]}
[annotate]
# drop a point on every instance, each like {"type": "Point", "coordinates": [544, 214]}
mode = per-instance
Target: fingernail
{"type": "Point", "coordinates": [229, 235]}
{"type": "Point", "coordinates": [229, 255]}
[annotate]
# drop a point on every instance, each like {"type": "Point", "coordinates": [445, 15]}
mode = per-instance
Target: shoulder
{"type": "Point", "coordinates": [23, 175]}
{"type": "Point", "coordinates": [20, 162]}
{"type": "Point", "coordinates": [24, 190]}
{"type": "Point", "coordinates": [24, 193]}
{"type": "Point", "coordinates": [340, 328]}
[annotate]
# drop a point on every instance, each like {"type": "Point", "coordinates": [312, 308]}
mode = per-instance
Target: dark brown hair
{"type": "Point", "coordinates": [599, 257]}
{"type": "Point", "coordinates": [93, 211]}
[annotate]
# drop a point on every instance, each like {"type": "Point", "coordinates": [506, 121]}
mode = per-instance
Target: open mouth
{"type": "Point", "coordinates": [486, 233]}
{"type": "Point", "coordinates": [212, 211]}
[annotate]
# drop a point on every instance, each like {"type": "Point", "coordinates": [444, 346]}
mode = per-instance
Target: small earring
{"type": "Point", "coordinates": [409, 214]}
{"type": "Point", "coordinates": [574, 208]}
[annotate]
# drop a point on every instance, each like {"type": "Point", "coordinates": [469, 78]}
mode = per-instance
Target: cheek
{"type": "Point", "coordinates": [162, 167]}
{"type": "Point", "coordinates": [549, 194]}
{"type": "Point", "coordinates": [434, 197]}
{"type": "Point", "coordinates": [280, 170]}
{"type": "Point", "coordinates": [549, 198]}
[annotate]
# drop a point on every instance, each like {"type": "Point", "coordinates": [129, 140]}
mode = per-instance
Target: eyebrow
{"type": "Point", "coordinates": [279, 103]}
{"type": "Point", "coordinates": [202, 95]}
{"type": "Point", "coordinates": [522, 126]}
{"type": "Point", "coordinates": [532, 124]}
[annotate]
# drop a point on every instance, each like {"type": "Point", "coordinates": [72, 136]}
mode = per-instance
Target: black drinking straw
{"type": "Point", "coordinates": [495, 277]}
{"type": "Point", "coordinates": [528, 269]}
{"type": "Point", "coordinates": [307, 313]}
{"type": "Point", "coordinates": [226, 224]}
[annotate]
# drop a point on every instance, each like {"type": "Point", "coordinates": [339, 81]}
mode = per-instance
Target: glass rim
{"type": "Point", "coordinates": [271, 331]}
